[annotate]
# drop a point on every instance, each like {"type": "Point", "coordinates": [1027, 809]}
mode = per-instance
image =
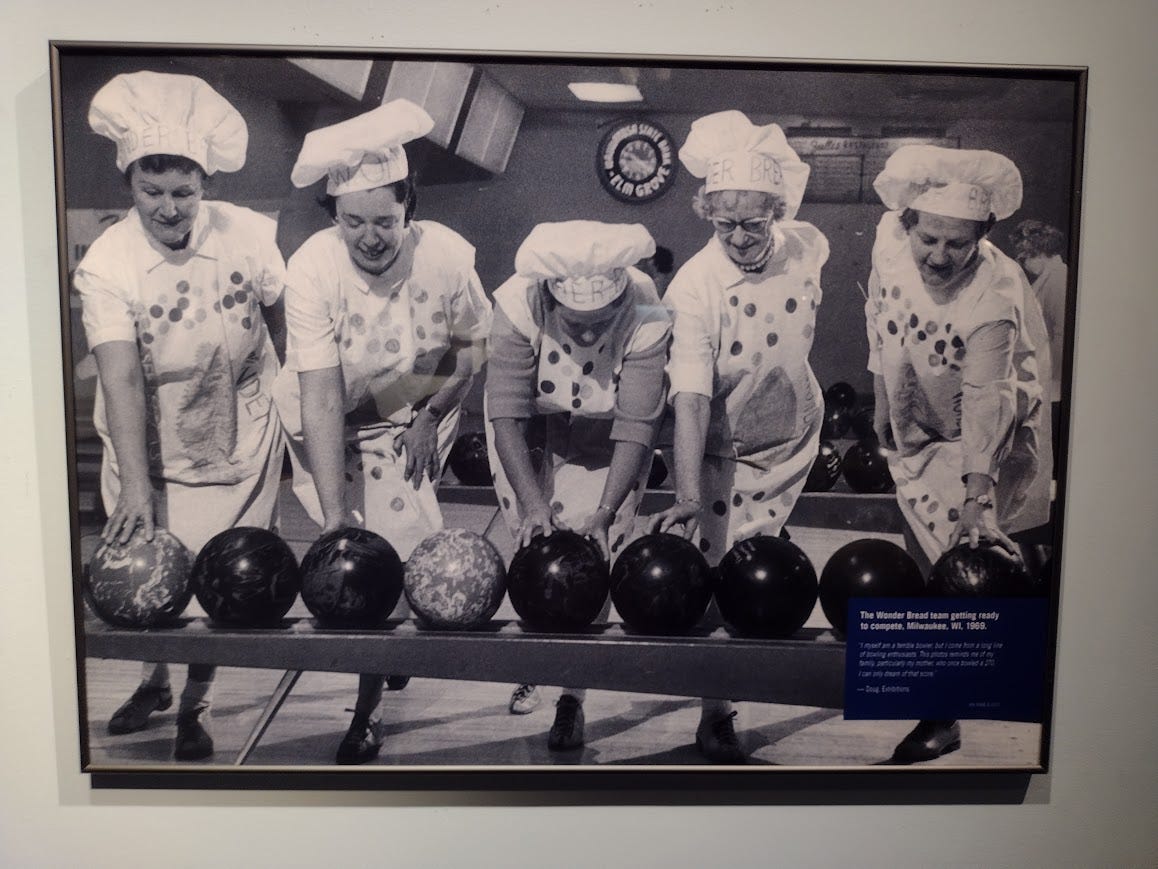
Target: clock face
{"type": "Point", "coordinates": [636, 161]}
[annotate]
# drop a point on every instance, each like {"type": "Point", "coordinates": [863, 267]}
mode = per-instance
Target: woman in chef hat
{"type": "Point", "coordinates": [173, 298]}
{"type": "Point", "coordinates": [579, 338]}
{"type": "Point", "coordinates": [748, 408]}
{"type": "Point", "coordinates": [959, 356]}
{"type": "Point", "coordinates": [386, 325]}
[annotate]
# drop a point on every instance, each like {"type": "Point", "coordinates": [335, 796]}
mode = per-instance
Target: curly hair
{"type": "Point", "coordinates": [706, 205]}
{"type": "Point", "coordinates": [1037, 238]}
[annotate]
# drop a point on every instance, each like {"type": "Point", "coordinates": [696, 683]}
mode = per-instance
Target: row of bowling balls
{"type": "Point", "coordinates": [660, 583]}
{"type": "Point", "coordinates": [865, 467]}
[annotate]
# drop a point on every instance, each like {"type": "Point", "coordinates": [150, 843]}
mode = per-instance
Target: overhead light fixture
{"type": "Point", "coordinates": [605, 92]}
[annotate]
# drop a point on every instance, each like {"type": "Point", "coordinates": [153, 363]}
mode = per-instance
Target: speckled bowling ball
{"type": "Point", "coordinates": [454, 580]}
{"type": "Point", "coordinates": [141, 584]}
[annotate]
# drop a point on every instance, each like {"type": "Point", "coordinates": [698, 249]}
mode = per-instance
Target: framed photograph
{"type": "Point", "coordinates": [440, 417]}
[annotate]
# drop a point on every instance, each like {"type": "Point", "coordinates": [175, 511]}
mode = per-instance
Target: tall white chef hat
{"type": "Point", "coordinates": [149, 113]}
{"type": "Point", "coordinates": [364, 152]}
{"type": "Point", "coordinates": [731, 153]}
{"type": "Point", "coordinates": [950, 182]}
{"type": "Point", "coordinates": [583, 261]}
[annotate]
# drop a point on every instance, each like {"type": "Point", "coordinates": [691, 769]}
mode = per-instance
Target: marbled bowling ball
{"type": "Point", "coordinates": [767, 587]}
{"type": "Point", "coordinates": [246, 577]}
{"type": "Point", "coordinates": [866, 568]}
{"type": "Point", "coordinates": [558, 582]}
{"type": "Point", "coordinates": [837, 420]}
{"type": "Point", "coordinates": [825, 469]}
{"type": "Point", "coordinates": [840, 394]}
{"type": "Point", "coordinates": [455, 580]}
{"type": "Point", "coordinates": [866, 468]}
{"type": "Point", "coordinates": [468, 460]}
{"type": "Point", "coordinates": [351, 577]}
{"type": "Point", "coordinates": [661, 584]}
{"type": "Point", "coordinates": [141, 584]}
{"type": "Point", "coordinates": [987, 571]}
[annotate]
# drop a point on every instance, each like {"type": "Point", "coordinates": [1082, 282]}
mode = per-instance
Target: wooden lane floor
{"type": "Point", "coordinates": [448, 723]}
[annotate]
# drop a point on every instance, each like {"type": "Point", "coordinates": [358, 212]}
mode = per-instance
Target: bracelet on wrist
{"type": "Point", "coordinates": [695, 501]}
{"type": "Point", "coordinates": [607, 507]}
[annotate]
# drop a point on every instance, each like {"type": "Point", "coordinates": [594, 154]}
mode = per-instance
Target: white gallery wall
{"type": "Point", "coordinates": [1096, 808]}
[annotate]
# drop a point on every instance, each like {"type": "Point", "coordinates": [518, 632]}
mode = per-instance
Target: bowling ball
{"type": "Point", "coordinates": [987, 571]}
{"type": "Point", "coordinates": [767, 587]}
{"type": "Point", "coordinates": [246, 577]}
{"type": "Point", "coordinates": [658, 472]}
{"type": "Point", "coordinates": [837, 419]}
{"type": "Point", "coordinates": [866, 568]}
{"type": "Point", "coordinates": [351, 577]}
{"type": "Point", "coordinates": [862, 423]}
{"type": "Point", "coordinates": [840, 395]}
{"type": "Point", "coordinates": [825, 469]}
{"type": "Point", "coordinates": [455, 580]}
{"type": "Point", "coordinates": [661, 584]}
{"type": "Point", "coordinates": [558, 582]}
{"type": "Point", "coordinates": [468, 460]}
{"type": "Point", "coordinates": [141, 584]}
{"type": "Point", "coordinates": [866, 468]}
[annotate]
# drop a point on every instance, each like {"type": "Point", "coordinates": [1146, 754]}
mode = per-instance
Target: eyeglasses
{"type": "Point", "coordinates": [752, 226]}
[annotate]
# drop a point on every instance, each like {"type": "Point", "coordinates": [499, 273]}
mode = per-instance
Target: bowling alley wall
{"type": "Point", "coordinates": [550, 176]}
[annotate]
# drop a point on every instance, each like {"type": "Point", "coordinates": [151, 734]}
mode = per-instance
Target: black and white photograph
{"type": "Point", "coordinates": [435, 411]}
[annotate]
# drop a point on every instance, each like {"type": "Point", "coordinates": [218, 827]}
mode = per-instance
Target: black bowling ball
{"type": "Point", "coordinates": [840, 394]}
{"type": "Point", "coordinates": [767, 587]}
{"type": "Point", "coordinates": [661, 584]}
{"type": "Point", "coordinates": [351, 577]}
{"type": "Point", "coordinates": [246, 577]}
{"type": "Point", "coordinates": [558, 582]}
{"type": "Point", "coordinates": [866, 467]}
{"type": "Point", "coordinates": [866, 568]}
{"type": "Point", "coordinates": [837, 420]}
{"type": "Point", "coordinates": [987, 571]}
{"type": "Point", "coordinates": [468, 460]}
{"type": "Point", "coordinates": [658, 473]}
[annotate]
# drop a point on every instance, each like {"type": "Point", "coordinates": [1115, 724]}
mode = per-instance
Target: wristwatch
{"type": "Point", "coordinates": [434, 412]}
{"type": "Point", "coordinates": [983, 501]}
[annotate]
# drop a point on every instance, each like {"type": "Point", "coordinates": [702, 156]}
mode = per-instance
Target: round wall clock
{"type": "Point", "coordinates": [636, 161]}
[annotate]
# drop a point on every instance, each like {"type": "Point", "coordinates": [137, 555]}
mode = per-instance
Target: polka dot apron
{"type": "Point", "coordinates": [922, 351]}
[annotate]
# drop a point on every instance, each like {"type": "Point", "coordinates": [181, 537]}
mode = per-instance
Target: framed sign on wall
{"type": "Point", "coordinates": [401, 451]}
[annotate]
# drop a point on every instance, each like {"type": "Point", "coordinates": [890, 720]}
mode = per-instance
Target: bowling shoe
{"type": "Point", "coordinates": [928, 740]}
{"type": "Point", "coordinates": [362, 741]}
{"type": "Point", "coordinates": [524, 699]}
{"type": "Point", "coordinates": [716, 740]}
{"type": "Point", "coordinates": [397, 683]}
{"type": "Point", "coordinates": [134, 713]}
{"type": "Point", "coordinates": [567, 731]}
{"type": "Point", "coordinates": [193, 740]}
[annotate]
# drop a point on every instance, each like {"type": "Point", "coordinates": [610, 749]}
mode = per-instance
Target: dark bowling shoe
{"type": "Point", "coordinates": [567, 731]}
{"type": "Point", "coordinates": [928, 740]}
{"type": "Point", "coordinates": [193, 740]}
{"type": "Point", "coordinates": [397, 683]}
{"type": "Point", "coordinates": [133, 715]}
{"type": "Point", "coordinates": [362, 741]}
{"type": "Point", "coordinates": [716, 740]}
